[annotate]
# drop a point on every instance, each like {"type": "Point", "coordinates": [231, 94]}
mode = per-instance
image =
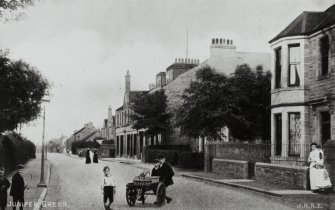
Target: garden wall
{"type": "Point", "coordinates": [231, 168]}
{"type": "Point", "coordinates": [295, 177]}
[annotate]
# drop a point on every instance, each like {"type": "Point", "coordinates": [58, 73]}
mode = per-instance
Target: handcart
{"type": "Point", "coordinates": [141, 187]}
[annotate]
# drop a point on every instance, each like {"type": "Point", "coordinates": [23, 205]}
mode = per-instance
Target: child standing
{"type": "Point", "coordinates": [108, 187]}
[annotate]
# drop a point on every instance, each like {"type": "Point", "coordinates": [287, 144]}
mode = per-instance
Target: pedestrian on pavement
{"type": "Point", "coordinates": [18, 188]}
{"type": "Point", "coordinates": [319, 177]}
{"type": "Point", "coordinates": [88, 158]}
{"type": "Point", "coordinates": [108, 187]}
{"type": "Point", "coordinates": [4, 185]}
{"type": "Point", "coordinates": [166, 173]}
{"type": "Point", "coordinates": [95, 157]}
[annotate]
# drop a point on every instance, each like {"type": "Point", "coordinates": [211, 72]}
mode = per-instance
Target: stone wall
{"type": "Point", "coordinates": [233, 168]}
{"type": "Point", "coordinates": [295, 177]}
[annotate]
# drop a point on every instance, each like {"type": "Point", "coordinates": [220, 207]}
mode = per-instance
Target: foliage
{"type": "Point", "coordinates": [241, 102]}
{"type": "Point", "coordinates": [152, 154]}
{"type": "Point", "coordinates": [8, 7]}
{"type": "Point", "coordinates": [194, 160]}
{"type": "Point", "coordinates": [55, 147]}
{"type": "Point", "coordinates": [84, 144]}
{"type": "Point", "coordinates": [22, 88]}
{"type": "Point", "coordinates": [15, 150]}
{"type": "Point", "coordinates": [204, 111]}
{"type": "Point", "coordinates": [150, 112]}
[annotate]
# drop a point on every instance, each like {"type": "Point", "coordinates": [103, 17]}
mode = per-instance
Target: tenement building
{"type": "Point", "coordinates": [303, 87]}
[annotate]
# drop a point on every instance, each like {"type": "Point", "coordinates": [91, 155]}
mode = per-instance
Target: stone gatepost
{"type": "Point", "coordinates": [144, 151]}
{"type": "Point", "coordinates": [329, 152]}
{"type": "Point", "coordinates": [210, 154]}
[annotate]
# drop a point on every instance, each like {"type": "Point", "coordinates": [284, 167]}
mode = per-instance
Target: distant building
{"type": "Point", "coordinates": [108, 129]}
{"type": "Point", "coordinates": [81, 134]}
{"type": "Point", "coordinates": [129, 142]}
{"type": "Point", "coordinates": [303, 87]}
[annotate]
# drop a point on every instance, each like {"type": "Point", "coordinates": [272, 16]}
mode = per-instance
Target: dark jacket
{"type": "Point", "coordinates": [95, 158]}
{"type": "Point", "coordinates": [4, 185]}
{"type": "Point", "coordinates": [18, 186]}
{"type": "Point", "coordinates": [155, 172]}
{"type": "Point", "coordinates": [165, 174]}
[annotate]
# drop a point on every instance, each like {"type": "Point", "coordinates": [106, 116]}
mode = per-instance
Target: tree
{"type": "Point", "coordinates": [150, 113]}
{"type": "Point", "coordinates": [22, 88]}
{"type": "Point", "coordinates": [241, 102]}
{"type": "Point", "coordinates": [252, 90]}
{"type": "Point", "coordinates": [206, 106]}
{"type": "Point", "coordinates": [8, 7]}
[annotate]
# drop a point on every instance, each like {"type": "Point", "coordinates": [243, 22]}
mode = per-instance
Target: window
{"type": "Point", "coordinates": [294, 65]}
{"type": "Point", "coordinates": [278, 135]}
{"type": "Point", "coordinates": [278, 68]}
{"type": "Point", "coordinates": [294, 134]}
{"type": "Point", "coordinates": [324, 48]}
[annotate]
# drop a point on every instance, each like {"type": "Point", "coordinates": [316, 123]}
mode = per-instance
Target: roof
{"type": "Point", "coordinates": [181, 66]}
{"type": "Point", "coordinates": [119, 109]}
{"type": "Point", "coordinates": [79, 131]}
{"type": "Point", "coordinates": [88, 136]}
{"type": "Point", "coordinates": [308, 23]}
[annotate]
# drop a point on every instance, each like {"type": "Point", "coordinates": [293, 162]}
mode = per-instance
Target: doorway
{"type": "Point", "coordinates": [325, 127]}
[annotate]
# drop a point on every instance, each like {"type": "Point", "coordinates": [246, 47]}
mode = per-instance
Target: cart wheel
{"type": "Point", "coordinates": [131, 195]}
{"type": "Point", "coordinates": [160, 194]}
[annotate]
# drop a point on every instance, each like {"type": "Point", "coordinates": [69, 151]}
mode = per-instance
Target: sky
{"type": "Point", "coordinates": [84, 47]}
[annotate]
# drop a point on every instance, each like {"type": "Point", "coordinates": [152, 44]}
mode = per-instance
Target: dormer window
{"type": "Point", "coordinates": [294, 65]}
{"type": "Point", "coordinates": [324, 48]}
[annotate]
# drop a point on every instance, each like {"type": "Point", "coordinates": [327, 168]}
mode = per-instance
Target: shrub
{"type": "Point", "coordinates": [15, 150]}
{"type": "Point", "coordinates": [171, 155]}
{"type": "Point", "coordinates": [84, 144]}
{"type": "Point", "coordinates": [193, 160]}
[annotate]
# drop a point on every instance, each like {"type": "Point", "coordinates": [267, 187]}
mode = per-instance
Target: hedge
{"type": "Point", "coordinates": [14, 150]}
{"type": "Point", "coordinates": [171, 155]}
{"type": "Point", "coordinates": [192, 160]}
{"type": "Point", "coordinates": [84, 144]}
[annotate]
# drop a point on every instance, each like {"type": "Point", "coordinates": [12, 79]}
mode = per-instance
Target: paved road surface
{"type": "Point", "coordinates": [77, 184]}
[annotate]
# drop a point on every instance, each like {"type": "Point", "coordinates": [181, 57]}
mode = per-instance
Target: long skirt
{"type": "Point", "coordinates": [319, 178]}
{"type": "Point", "coordinates": [88, 160]}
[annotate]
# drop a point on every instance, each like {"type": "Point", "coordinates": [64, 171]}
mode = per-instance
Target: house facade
{"type": "Point", "coordinates": [129, 142]}
{"type": "Point", "coordinates": [174, 80]}
{"type": "Point", "coordinates": [303, 87]}
{"type": "Point", "coordinates": [108, 128]}
{"type": "Point", "coordinates": [81, 134]}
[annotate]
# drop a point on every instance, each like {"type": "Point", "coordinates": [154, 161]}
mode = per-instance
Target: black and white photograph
{"type": "Point", "coordinates": [167, 104]}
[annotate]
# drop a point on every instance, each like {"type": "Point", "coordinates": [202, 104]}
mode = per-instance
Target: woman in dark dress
{"type": "Point", "coordinates": [95, 157]}
{"type": "Point", "coordinates": [88, 158]}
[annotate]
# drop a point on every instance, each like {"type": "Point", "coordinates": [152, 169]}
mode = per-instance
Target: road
{"type": "Point", "coordinates": [76, 185]}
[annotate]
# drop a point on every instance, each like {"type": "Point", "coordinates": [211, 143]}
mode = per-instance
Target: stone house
{"type": "Point", "coordinates": [108, 129]}
{"type": "Point", "coordinates": [303, 88]}
{"type": "Point", "coordinates": [81, 134]}
{"type": "Point", "coordinates": [223, 58]}
{"type": "Point", "coordinates": [129, 142]}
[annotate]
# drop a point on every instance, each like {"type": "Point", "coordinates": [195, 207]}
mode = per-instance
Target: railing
{"type": "Point", "coordinates": [284, 154]}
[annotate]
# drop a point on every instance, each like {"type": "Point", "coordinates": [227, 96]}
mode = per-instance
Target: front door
{"type": "Point", "coordinates": [325, 127]}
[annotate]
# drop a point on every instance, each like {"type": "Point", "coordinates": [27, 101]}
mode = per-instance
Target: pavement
{"type": "Point", "coordinates": [31, 175]}
{"type": "Point", "coordinates": [78, 185]}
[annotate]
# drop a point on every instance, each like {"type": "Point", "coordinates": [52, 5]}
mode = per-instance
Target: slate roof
{"type": "Point", "coordinates": [88, 136]}
{"type": "Point", "coordinates": [79, 131]}
{"type": "Point", "coordinates": [120, 108]}
{"type": "Point", "coordinates": [308, 23]}
{"type": "Point", "coordinates": [182, 66]}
